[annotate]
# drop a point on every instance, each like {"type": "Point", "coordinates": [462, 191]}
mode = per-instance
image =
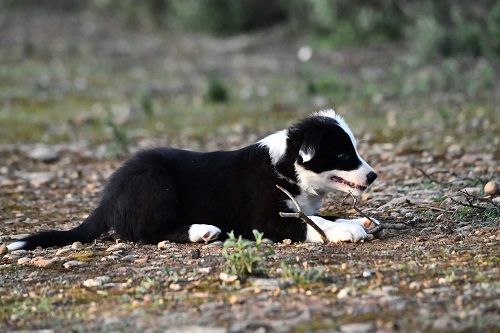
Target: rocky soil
{"type": "Point", "coordinates": [441, 274]}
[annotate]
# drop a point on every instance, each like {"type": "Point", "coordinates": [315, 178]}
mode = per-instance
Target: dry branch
{"type": "Point", "coordinates": [378, 226]}
{"type": "Point", "coordinates": [301, 215]}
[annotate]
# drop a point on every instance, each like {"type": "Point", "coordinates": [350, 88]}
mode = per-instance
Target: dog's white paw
{"type": "Point", "coordinates": [364, 222]}
{"type": "Point", "coordinates": [203, 233]}
{"type": "Point", "coordinates": [345, 232]}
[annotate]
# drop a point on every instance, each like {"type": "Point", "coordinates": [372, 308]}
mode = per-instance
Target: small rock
{"type": "Point", "coordinates": [454, 150]}
{"type": "Point", "coordinates": [130, 257]}
{"type": "Point", "coordinates": [19, 252]}
{"type": "Point", "coordinates": [118, 247]}
{"type": "Point", "coordinates": [227, 277]}
{"type": "Point", "coordinates": [343, 293]}
{"type": "Point", "coordinates": [491, 188]}
{"type": "Point", "coordinates": [44, 154]}
{"type": "Point", "coordinates": [163, 245]}
{"type": "Point", "coordinates": [23, 261]}
{"type": "Point", "coordinates": [73, 263]}
{"type": "Point", "coordinates": [195, 329]}
{"type": "Point", "coordinates": [175, 286]}
{"type": "Point", "coordinates": [36, 179]}
{"type": "Point", "coordinates": [357, 328]}
{"type": "Point", "coordinates": [212, 245]}
{"type": "Point", "coordinates": [96, 282]}
{"type": "Point", "coordinates": [62, 251]}
{"type": "Point", "coordinates": [195, 254]}
{"type": "Point", "coordinates": [287, 241]}
{"type": "Point", "coordinates": [266, 284]}
{"type": "Point", "coordinates": [42, 262]}
{"type": "Point", "coordinates": [367, 273]}
{"type": "Point", "coordinates": [77, 246]}
{"type": "Point", "coordinates": [3, 249]}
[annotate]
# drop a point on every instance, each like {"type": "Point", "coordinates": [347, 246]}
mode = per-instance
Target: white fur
{"type": "Point", "coordinates": [341, 230]}
{"type": "Point", "coordinates": [276, 144]}
{"type": "Point", "coordinates": [307, 155]}
{"type": "Point", "coordinates": [203, 232]}
{"type": "Point", "coordinates": [16, 245]}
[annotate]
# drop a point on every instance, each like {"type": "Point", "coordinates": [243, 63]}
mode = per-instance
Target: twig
{"type": "Point", "coordinates": [378, 226]}
{"type": "Point", "coordinates": [429, 176]}
{"type": "Point", "coordinates": [300, 214]}
{"type": "Point", "coordinates": [355, 206]}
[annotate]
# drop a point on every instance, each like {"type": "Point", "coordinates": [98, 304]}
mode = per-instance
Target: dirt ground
{"type": "Point", "coordinates": [441, 274]}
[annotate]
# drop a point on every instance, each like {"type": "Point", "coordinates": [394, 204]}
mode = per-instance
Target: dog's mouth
{"type": "Point", "coordinates": [348, 183]}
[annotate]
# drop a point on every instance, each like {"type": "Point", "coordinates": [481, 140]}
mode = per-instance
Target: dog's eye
{"type": "Point", "coordinates": [343, 157]}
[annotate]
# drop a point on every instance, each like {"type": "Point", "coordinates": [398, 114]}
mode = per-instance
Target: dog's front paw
{"type": "Point", "coordinates": [365, 222]}
{"type": "Point", "coordinates": [203, 233]}
{"type": "Point", "coordinates": [345, 232]}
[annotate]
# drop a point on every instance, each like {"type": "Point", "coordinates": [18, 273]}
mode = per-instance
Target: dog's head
{"type": "Point", "coordinates": [323, 152]}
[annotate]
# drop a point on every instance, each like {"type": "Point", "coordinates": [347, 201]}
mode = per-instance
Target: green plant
{"type": "Point", "coordinates": [302, 276]}
{"type": "Point", "coordinates": [244, 257]}
{"type": "Point", "coordinates": [146, 100]}
{"type": "Point", "coordinates": [217, 91]}
{"type": "Point", "coordinates": [119, 144]}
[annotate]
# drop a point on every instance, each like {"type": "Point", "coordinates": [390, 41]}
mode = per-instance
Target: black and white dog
{"type": "Point", "coordinates": [184, 196]}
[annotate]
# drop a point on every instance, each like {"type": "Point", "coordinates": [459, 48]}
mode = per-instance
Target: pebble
{"type": "Point", "coordinates": [491, 188]}
{"type": "Point", "coordinates": [357, 328]}
{"type": "Point", "coordinates": [175, 286]}
{"type": "Point", "coordinates": [163, 245]}
{"type": "Point", "coordinates": [287, 241]}
{"type": "Point", "coordinates": [62, 251]}
{"type": "Point", "coordinates": [23, 261]}
{"type": "Point", "coordinates": [42, 262]}
{"type": "Point", "coordinates": [44, 154]}
{"type": "Point", "coordinates": [77, 246]}
{"type": "Point", "coordinates": [118, 247]}
{"type": "Point", "coordinates": [195, 254]}
{"type": "Point", "coordinates": [367, 273]}
{"type": "Point", "coordinates": [213, 245]}
{"type": "Point", "coordinates": [343, 293]}
{"type": "Point", "coordinates": [36, 179]}
{"type": "Point", "coordinates": [73, 263]}
{"type": "Point", "coordinates": [130, 257]}
{"type": "Point", "coordinates": [3, 249]}
{"type": "Point", "coordinates": [19, 252]}
{"type": "Point", "coordinates": [195, 329]}
{"type": "Point", "coordinates": [96, 282]}
{"type": "Point", "coordinates": [227, 277]}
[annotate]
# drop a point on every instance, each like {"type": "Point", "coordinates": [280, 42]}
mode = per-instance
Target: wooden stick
{"type": "Point", "coordinates": [300, 215]}
{"type": "Point", "coordinates": [378, 226]}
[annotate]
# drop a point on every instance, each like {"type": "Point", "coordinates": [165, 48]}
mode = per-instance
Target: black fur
{"type": "Point", "coordinates": [157, 194]}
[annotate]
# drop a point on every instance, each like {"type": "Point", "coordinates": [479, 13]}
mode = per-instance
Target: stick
{"type": "Point", "coordinates": [300, 215]}
{"type": "Point", "coordinates": [378, 226]}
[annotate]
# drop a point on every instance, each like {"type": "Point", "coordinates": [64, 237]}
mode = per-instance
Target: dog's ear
{"type": "Point", "coordinates": [310, 144]}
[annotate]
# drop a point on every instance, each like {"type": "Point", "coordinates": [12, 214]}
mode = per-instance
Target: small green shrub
{"type": "Point", "coordinates": [217, 91]}
{"type": "Point", "coordinates": [244, 257]}
{"type": "Point", "coordinates": [120, 143]}
{"type": "Point", "coordinates": [302, 276]}
{"type": "Point", "coordinates": [147, 106]}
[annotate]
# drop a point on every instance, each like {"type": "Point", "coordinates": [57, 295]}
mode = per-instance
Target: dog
{"type": "Point", "coordinates": [185, 196]}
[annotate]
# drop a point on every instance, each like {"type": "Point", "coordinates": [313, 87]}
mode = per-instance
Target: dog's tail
{"type": "Point", "coordinates": [91, 228]}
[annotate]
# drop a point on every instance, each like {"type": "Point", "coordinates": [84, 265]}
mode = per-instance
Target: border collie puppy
{"type": "Point", "coordinates": [185, 196]}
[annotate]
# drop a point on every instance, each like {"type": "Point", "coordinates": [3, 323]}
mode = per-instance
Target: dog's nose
{"type": "Point", "coordinates": [370, 177]}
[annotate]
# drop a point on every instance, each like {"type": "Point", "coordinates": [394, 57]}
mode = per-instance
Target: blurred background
{"type": "Point", "coordinates": [213, 74]}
